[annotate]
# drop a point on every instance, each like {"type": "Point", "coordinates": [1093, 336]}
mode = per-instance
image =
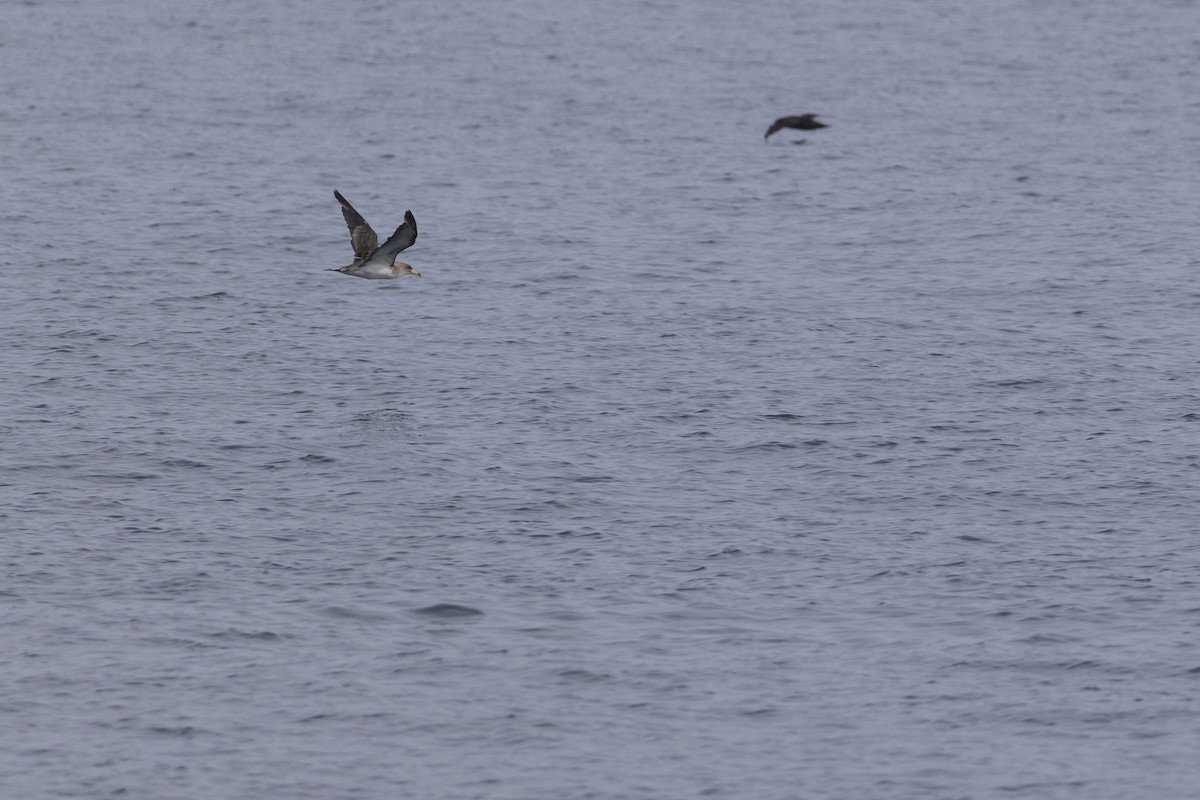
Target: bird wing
{"type": "Point", "coordinates": [402, 239]}
{"type": "Point", "coordinates": [786, 122]}
{"type": "Point", "coordinates": [804, 122]}
{"type": "Point", "coordinates": [362, 236]}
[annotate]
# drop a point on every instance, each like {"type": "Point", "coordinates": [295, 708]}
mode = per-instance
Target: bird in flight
{"type": "Point", "coordinates": [804, 122]}
{"type": "Point", "coordinates": [372, 260]}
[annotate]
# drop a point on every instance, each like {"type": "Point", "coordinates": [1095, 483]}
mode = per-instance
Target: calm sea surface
{"type": "Point", "coordinates": [694, 466]}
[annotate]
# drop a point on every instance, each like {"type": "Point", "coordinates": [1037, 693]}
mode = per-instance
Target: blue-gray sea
{"type": "Point", "coordinates": [694, 466]}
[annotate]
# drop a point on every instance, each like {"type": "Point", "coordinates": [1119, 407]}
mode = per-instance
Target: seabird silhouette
{"type": "Point", "coordinates": [804, 122]}
{"type": "Point", "coordinates": [370, 259]}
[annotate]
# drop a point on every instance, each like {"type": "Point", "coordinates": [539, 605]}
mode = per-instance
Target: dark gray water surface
{"type": "Point", "coordinates": [694, 466]}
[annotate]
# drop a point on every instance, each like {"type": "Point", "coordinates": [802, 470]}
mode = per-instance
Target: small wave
{"type": "Point", "coordinates": [1015, 383]}
{"type": "Point", "coordinates": [383, 415]}
{"type": "Point", "coordinates": [448, 610]}
{"type": "Point", "coordinates": [184, 462]}
{"type": "Point", "coordinates": [194, 298]}
{"type": "Point", "coordinates": [233, 633]}
{"type": "Point", "coordinates": [768, 446]}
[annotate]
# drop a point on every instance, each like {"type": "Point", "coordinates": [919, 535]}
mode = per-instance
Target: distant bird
{"type": "Point", "coordinates": [371, 260]}
{"type": "Point", "coordinates": [804, 122]}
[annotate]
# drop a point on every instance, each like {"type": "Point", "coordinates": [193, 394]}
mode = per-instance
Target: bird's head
{"type": "Point", "coordinates": [404, 269]}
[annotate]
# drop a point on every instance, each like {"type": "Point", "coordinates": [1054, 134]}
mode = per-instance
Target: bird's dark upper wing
{"type": "Point", "coordinates": [362, 236]}
{"type": "Point", "coordinates": [804, 122]}
{"type": "Point", "coordinates": [403, 238]}
{"type": "Point", "coordinates": [787, 122]}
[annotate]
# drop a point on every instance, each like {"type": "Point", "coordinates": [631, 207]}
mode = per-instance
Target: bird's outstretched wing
{"type": "Point", "coordinates": [402, 239]}
{"type": "Point", "coordinates": [362, 236]}
{"type": "Point", "coordinates": [777, 125]}
{"type": "Point", "coordinates": [803, 122]}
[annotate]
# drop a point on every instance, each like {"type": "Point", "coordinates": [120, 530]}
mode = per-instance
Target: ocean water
{"type": "Point", "coordinates": [694, 466]}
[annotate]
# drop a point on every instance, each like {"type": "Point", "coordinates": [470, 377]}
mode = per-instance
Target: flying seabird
{"type": "Point", "coordinates": [804, 122]}
{"type": "Point", "coordinates": [370, 259]}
